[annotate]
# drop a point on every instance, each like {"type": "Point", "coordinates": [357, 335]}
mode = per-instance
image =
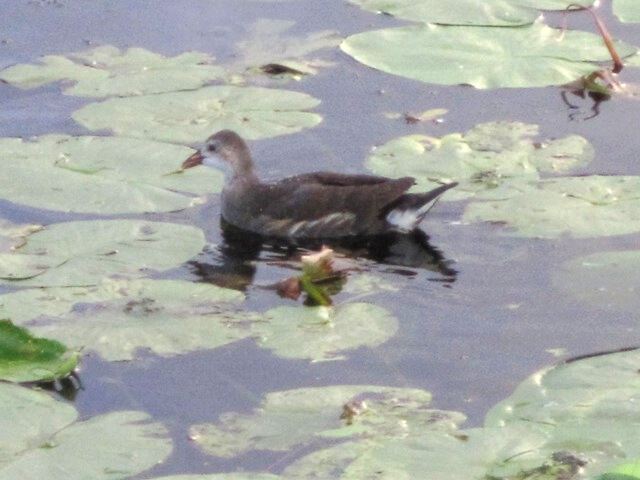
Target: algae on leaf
{"type": "Point", "coordinates": [189, 117]}
{"type": "Point", "coordinates": [578, 207]}
{"type": "Point", "coordinates": [118, 317]}
{"type": "Point", "coordinates": [107, 71]}
{"type": "Point", "coordinates": [483, 158]}
{"type": "Point", "coordinates": [484, 57]}
{"type": "Point", "coordinates": [25, 358]}
{"type": "Point", "coordinates": [102, 175]}
{"type": "Point", "coordinates": [86, 252]}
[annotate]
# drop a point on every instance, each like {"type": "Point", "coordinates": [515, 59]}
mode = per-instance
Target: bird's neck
{"type": "Point", "coordinates": [243, 167]}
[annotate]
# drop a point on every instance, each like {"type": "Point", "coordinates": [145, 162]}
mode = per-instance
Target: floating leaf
{"type": "Point", "coordinates": [107, 71]}
{"type": "Point", "coordinates": [13, 236]}
{"type": "Point", "coordinates": [25, 358]}
{"type": "Point", "coordinates": [483, 158]}
{"type": "Point", "coordinates": [579, 207]}
{"type": "Point", "coordinates": [108, 447]}
{"type": "Point", "coordinates": [321, 333]}
{"type": "Point", "coordinates": [466, 12]}
{"type": "Point", "coordinates": [297, 417]}
{"type": "Point", "coordinates": [100, 175]}
{"type": "Point", "coordinates": [586, 408]}
{"type": "Point", "coordinates": [188, 117]}
{"type": "Point", "coordinates": [84, 253]}
{"type": "Point", "coordinates": [609, 280]}
{"type": "Point", "coordinates": [118, 317]}
{"type": "Point", "coordinates": [224, 476]}
{"type": "Point", "coordinates": [531, 56]}
{"type": "Point", "coordinates": [627, 10]}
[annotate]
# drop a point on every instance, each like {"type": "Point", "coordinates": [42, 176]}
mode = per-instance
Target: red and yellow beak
{"type": "Point", "coordinates": [193, 161]}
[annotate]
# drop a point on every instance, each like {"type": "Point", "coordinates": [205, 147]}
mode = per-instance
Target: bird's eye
{"type": "Point", "coordinates": [211, 147]}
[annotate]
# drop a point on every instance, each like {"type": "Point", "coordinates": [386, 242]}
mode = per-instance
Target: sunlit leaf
{"type": "Point", "coordinates": [100, 175]}
{"type": "Point", "coordinates": [84, 253]}
{"type": "Point", "coordinates": [189, 117]}
{"type": "Point", "coordinates": [107, 71]}
{"type": "Point", "coordinates": [25, 358]}
{"type": "Point", "coordinates": [530, 56]}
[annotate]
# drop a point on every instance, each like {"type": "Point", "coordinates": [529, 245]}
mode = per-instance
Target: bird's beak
{"type": "Point", "coordinates": [193, 161]}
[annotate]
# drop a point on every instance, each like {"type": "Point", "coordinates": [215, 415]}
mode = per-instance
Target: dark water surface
{"type": "Point", "coordinates": [469, 342]}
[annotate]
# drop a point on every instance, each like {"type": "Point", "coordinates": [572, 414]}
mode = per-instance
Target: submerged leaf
{"type": "Point", "coordinates": [107, 71]}
{"type": "Point", "coordinates": [530, 56]}
{"type": "Point", "coordinates": [101, 175]}
{"type": "Point", "coordinates": [579, 207]}
{"type": "Point", "coordinates": [84, 253]}
{"type": "Point", "coordinates": [189, 117]}
{"type": "Point", "coordinates": [25, 358]}
{"type": "Point", "coordinates": [485, 157]}
{"type": "Point", "coordinates": [607, 280]}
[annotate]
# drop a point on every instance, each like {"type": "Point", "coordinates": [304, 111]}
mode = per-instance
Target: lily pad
{"type": "Point", "coordinates": [579, 207]}
{"type": "Point", "coordinates": [529, 56]}
{"type": "Point", "coordinates": [118, 317]}
{"type": "Point", "coordinates": [299, 417]}
{"type": "Point", "coordinates": [587, 408]}
{"type": "Point", "coordinates": [13, 235]}
{"type": "Point", "coordinates": [322, 333]}
{"type": "Point", "coordinates": [189, 117]}
{"type": "Point", "coordinates": [505, 13]}
{"type": "Point", "coordinates": [627, 10]}
{"type": "Point", "coordinates": [483, 158]}
{"type": "Point", "coordinates": [609, 280]}
{"type": "Point", "coordinates": [108, 71]}
{"type": "Point", "coordinates": [84, 253]}
{"type": "Point", "coordinates": [25, 358]}
{"type": "Point", "coordinates": [108, 447]}
{"type": "Point", "coordinates": [100, 175]}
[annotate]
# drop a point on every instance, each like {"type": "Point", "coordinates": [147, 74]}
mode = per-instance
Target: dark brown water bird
{"type": "Point", "coordinates": [312, 205]}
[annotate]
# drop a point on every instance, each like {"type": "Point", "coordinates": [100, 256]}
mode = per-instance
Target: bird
{"type": "Point", "coordinates": [311, 205]}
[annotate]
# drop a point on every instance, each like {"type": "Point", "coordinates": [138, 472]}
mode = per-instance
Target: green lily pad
{"type": "Point", "coordinates": [529, 56]}
{"type": "Point", "coordinates": [609, 280]}
{"type": "Point", "coordinates": [224, 476]}
{"type": "Point", "coordinates": [107, 71]}
{"type": "Point", "coordinates": [579, 207]}
{"type": "Point", "coordinates": [298, 417]}
{"type": "Point", "coordinates": [189, 117]}
{"type": "Point", "coordinates": [626, 10]}
{"type": "Point", "coordinates": [13, 236]}
{"type": "Point", "coordinates": [100, 175]}
{"type": "Point", "coordinates": [322, 333]}
{"type": "Point", "coordinates": [84, 253]}
{"type": "Point", "coordinates": [113, 446]}
{"type": "Point", "coordinates": [506, 13]}
{"type": "Point", "coordinates": [483, 158]}
{"type": "Point", "coordinates": [586, 408]}
{"type": "Point", "coordinates": [25, 358]}
{"type": "Point", "coordinates": [118, 317]}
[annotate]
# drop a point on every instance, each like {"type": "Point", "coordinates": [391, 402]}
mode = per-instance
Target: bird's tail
{"type": "Point", "coordinates": [411, 208]}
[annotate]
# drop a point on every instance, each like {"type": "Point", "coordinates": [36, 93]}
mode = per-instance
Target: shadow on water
{"type": "Point", "coordinates": [233, 264]}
